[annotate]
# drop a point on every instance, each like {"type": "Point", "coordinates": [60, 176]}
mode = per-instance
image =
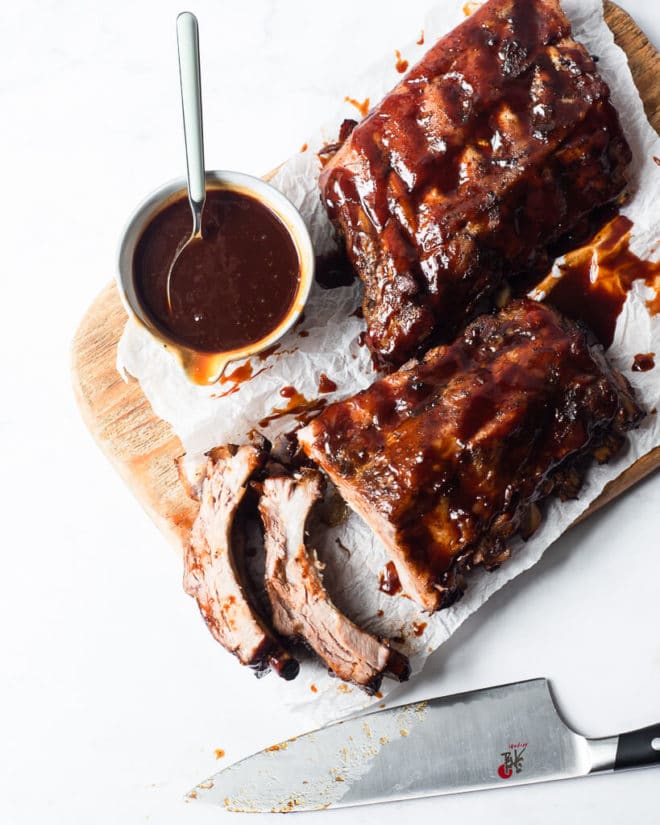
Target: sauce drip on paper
{"type": "Point", "coordinates": [401, 65]}
{"type": "Point", "coordinates": [595, 279]}
{"type": "Point", "coordinates": [389, 580]}
{"type": "Point", "coordinates": [301, 408]}
{"type": "Point", "coordinates": [643, 362]}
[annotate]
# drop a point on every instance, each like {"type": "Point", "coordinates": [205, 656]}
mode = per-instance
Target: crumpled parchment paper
{"type": "Point", "coordinates": [204, 417]}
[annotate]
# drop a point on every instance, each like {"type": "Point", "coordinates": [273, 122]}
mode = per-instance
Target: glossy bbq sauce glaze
{"type": "Point", "coordinates": [235, 287]}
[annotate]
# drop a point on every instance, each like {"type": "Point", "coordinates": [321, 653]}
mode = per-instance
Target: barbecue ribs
{"type": "Point", "coordinates": [301, 605]}
{"type": "Point", "coordinates": [446, 459]}
{"type": "Point", "coordinates": [213, 568]}
{"type": "Point", "coordinates": [496, 144]}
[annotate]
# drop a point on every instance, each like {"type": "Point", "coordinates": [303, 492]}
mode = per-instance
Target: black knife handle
{"type": "Point", "coordinates": [638, 748]}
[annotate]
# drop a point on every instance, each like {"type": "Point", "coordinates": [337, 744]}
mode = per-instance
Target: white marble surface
{"type": "Point", "coordinates": [113, 697]}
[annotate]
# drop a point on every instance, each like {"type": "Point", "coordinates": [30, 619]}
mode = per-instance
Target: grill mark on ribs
{"type": "Point", "coordinates": [301, 605]}
{"type": "Point", "coordinates": [447, 458]}
{"type": "Point", "coordinates": [496, 144]}
{"type": "Point", "coordinates": [214, 568]}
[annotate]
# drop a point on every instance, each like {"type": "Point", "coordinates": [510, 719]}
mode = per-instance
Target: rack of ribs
{"type": "Point", "coordinates": [301, 605]}
{"type": "Point", "coordinates": [214, 565]}
{"type": "Point", "coordinates": [448, 458]}
{"type": "Point", "coordinates": [499, 142]}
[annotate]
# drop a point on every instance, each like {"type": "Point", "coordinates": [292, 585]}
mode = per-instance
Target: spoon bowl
{"type": "Point", "coordinates": [187, 38]}
{"type": "Point", "coordinates": [187, 249]}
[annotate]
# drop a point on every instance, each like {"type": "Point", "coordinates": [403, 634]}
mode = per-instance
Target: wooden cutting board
{"type": "Point", "coordinates": [142, 447]}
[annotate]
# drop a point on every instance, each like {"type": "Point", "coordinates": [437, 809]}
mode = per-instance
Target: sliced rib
{"type": "Point", "coordinates": [301, 605]}
{"type": "Point", "coordinates": [213, 570]}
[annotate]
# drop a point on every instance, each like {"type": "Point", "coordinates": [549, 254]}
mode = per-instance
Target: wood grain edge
{"type": "Point", "coordinates": [142, 447]}
{"type": "Point", "coordinates": [623, 482]}
{"type": "Point", "coordinates": [643, 58]}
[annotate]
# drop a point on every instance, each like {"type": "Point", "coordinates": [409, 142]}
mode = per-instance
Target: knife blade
{"type": "Point", "coordinates": [491, 738]}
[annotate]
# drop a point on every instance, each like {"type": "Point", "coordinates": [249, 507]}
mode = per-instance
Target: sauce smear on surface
{"type": "Point", "coordinates": [643, 362]}
{"type": "Point", "coordinates": [361, 105]}
{"type": "Point", "coordinates": [596, 279]}
{"type": "Point", "coordinates": [326, 384]}
{"type": "Point", "coordinates": [401, 65]}
{"type": "Point", "coordinates": [389, 580]}
{"type": "Point", "coordinates": [233, 288]}
{"type": "Point", "coordinates": [419, 628]}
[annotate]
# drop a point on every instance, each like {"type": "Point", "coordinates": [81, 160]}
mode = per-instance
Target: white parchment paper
{"type": "Point", "coordinates": [204, 417]}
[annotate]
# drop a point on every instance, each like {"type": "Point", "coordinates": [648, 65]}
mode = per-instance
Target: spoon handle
{"type": "Point", "coordinates": [187, 35]}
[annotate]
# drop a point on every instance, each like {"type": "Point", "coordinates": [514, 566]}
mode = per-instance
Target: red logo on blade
{"type": "Point", "coordinates": [513, 760]}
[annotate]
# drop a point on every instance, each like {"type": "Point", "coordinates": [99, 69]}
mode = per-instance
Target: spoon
{"type": "Point", "coordinates": [187, 36]}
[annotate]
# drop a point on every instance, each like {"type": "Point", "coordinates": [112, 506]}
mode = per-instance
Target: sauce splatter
{"type": "Point", "coordinates": [657, 160]}
{"type": "Point", "coordinates": [303, 333]}
{"type": "Point", "coordinates": [420, 42]}
{"type": "Point", "coordinates": [237, 377]}
{"type": "Point", "coordinates": [419, 628]}
{"type": "Point", "coordinates": [313, 688]}
{"type": "Point", "coordinates": [380, 613]}
{"type": "Point", "coordinates": [304, 147]}
{"type": "Point", "coordinates": [594, 280]}
{"type": "Point", "coordinates": [470, 8]}
{"type": "Point", "coordinates": [388, 580]}
{"type": "Point", "coordinates": [401, 65]}
{"type": "Point", "coordinates": [326, 384]}
{"type": "Point", "coordinates": [240, 374]}
{"type": "Point", "coordinates": [643, 362]}
{"type": "Point", "coordinates": [268, 352]}
{"type": "Point", "coordinates": [362, 107]}
{"type": "Point", "coordinates": [219, 753]}
{"type": "Point", "coordinates": [298, 406]}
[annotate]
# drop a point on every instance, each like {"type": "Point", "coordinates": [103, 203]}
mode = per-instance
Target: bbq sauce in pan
{"type": "Point", "coordinates": [596, 279]}
{"type": "Point", "coordinates": [236, 287]}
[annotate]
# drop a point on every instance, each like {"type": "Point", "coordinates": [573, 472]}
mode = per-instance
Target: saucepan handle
{"type": "Point", "coordinates": [638, 748]}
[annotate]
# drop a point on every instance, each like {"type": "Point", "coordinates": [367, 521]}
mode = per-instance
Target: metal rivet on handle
{"type": "Point", "coordinates": [655, 743]}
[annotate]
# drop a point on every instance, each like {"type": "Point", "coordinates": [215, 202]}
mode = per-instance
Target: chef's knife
{"type": "Point", "coordinates": [493, 738]}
